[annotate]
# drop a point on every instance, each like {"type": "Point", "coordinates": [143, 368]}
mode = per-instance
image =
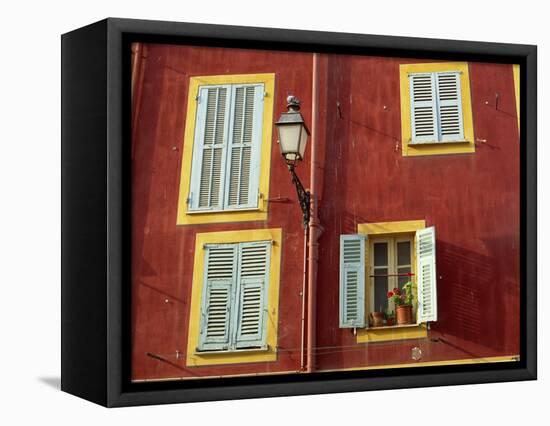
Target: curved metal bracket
{"type": "Point", "coordinates": [304, 197]}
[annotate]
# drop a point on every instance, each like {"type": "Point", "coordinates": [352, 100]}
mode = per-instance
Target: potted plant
{"type": "Point", "coordinates": [402, 300]}
{"type": "Point", "coordinates": [377, 318]}
{"type": "Point", "coordinates": [390, 318]}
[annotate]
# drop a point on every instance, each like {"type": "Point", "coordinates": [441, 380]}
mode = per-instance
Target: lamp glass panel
{"type": "Point", "coordinates": [303, 141]}
{"type": "Point", "coordinates": [289, 138]}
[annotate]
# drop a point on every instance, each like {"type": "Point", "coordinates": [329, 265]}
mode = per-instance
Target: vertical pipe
{"type": "Point", "coordinates": [136, 64]}
{"type": "Point", "coordinates": [139, 55]}
{"type": "Point", "coordinates": [303, 319]}
{"type": "Point", "coordinates": [314, 221]}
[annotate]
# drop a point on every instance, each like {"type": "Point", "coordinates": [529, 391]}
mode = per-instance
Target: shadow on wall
{"type": "Point", "coordinates": [475, 296]}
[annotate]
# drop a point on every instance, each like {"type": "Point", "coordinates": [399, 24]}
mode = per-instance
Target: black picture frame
{"type": "Point", "coordinates": [96, 198]}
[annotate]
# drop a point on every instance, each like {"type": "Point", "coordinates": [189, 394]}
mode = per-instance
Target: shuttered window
{"type": "Point", "coordinates": [436, 107]}
{"type": "Point", "coordinates": [390, 259]}
{"type": "Point", "coordinates": [426, 275]}
{"type": "Point", "coordinates": [226, 150]}
{"type": "Point", "coordinates": [234, 296]}
{"type": "Point", "coordinates": [352, 281]}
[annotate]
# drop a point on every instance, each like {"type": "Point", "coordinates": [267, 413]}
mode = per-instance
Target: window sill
{"type": "Point", "coordinates": [196, 217]}
{"type": "Point", "coordinates": [388, 327]}
{"type": "Point", "coordinates": [392, 333]}
{"type": "Point", "coordinates": [435, 143]}
{"type": "Point", "coordinates": [196, 212]}
{"type": "Point", "coordinates": [266, 348]}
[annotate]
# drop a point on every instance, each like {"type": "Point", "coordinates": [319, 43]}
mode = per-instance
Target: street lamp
{"type": "Point", "coordinates": [293, 134]}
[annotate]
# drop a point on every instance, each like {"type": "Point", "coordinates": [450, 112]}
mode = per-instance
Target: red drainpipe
{"type": "Point", "coordinates": [314, 224]}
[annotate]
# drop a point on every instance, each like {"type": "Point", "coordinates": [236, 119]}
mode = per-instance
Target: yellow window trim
{"type": "Point", "coordinates": [436, 148]}
{"type": "Point", "coordinates": [494, 359]}
{"type": "Point", "coordinates": [389, 229]}
{"type": "Point", "coordinates": [260, 214]}
{"type": "Point", "coordinates": [506, 358]}
{"type": "Point", "coordinates": [515, 70]}
{"type": "Point", "coordinates": [213, 358]}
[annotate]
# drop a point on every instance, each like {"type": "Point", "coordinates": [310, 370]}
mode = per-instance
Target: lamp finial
{"type": "Point", "coordinates": [293, 103]}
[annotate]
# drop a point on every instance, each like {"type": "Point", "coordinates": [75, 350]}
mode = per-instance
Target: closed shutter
{"type": "Point", "coordinates": [244, 149]}
{"type": "Point", "coordinates": [352, 281]}
{"type": "Point", "coordinates": [426, 275]}
{"type": "Point", "coordinates": [209, 149]}
{"type": "Point", "coordinates": [253, 279]}
{"type": "Point", "coordinates": [423, 108]}
{"type": "Point", "coordinates": [219, 275]}
{"type": "Point", "coordinates": [450, 106]}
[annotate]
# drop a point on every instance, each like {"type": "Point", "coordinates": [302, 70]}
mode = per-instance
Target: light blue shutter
{"type": "Point", "coordinates": [243, 171]}
{"type": "Point", "coordinates": [218, 297]}
{"type": "Point", "coordinates": [253, 279]}
{"type": "Point", "coordinates": [449, 106]}
{"type": "Point", "coordinates": [352, 281]}
{"type": "Point", "coordinates": [423, 107]}
{"type": "Point", "coordinates": [426, 275]}
{"type": "Point", "coordinates": [209, 148]}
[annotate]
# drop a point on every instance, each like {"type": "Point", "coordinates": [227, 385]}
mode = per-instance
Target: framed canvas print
{"type": "Point", "coordinates": [253, 212]}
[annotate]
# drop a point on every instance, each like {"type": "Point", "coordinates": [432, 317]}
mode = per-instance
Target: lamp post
{"type": "Point", "coordinates": [293, 135]}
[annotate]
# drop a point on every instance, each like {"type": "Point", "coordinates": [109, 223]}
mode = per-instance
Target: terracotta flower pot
{"type": "Point", "coordinates": [404, 314]}
{"type": "Point", "coordinates": [389, 321]}
{"type": "Point", "coordinates": [377, 319]}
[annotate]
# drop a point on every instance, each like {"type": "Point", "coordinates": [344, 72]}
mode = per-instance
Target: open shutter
{"type": "Point", "coordinates": [352, 281]}
{"type": "Point", "coordinates": [245, 145]}
{"type": "Point", "coordinates": [218, 295]}
{"type": "Point", "coordinates": [209, 152]}
{"type": "Point", "coordinates": [450, 106]}
{"type": "Point", "coordinates": [423, 108]}
{"type": "Point", "coordinates": [426, 275]}
{"type": "Point", "coordinates": [253, 280]}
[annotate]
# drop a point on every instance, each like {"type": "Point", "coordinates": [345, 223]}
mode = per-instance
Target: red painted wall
{"type": "Point", "coordinates": [472, 199]}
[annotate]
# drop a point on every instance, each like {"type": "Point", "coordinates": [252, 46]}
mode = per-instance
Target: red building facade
{"type": "Point", "coordinates": [370, 180]}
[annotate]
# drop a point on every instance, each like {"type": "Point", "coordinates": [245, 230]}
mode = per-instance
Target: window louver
{"type": "Point", "coordinates": [423, 108]}
{"type": "Point", "coordinates": [426, 275]}
{"type": "Point", "coordinates": [241, 146]}
{"type": "Point", "coordinates": [352, 281]}
{"type": "Point", "coordinates": [449, 102]}
{"type": "Point", "coordinates": [436, 108]}
{"type": "Point", "coordinates": [235, 291]}
{"type": "Point", "coordinates": [217, 306]}
{"type": "Point", "coordinates": [253, 278]}
{"type": "Point", "coordinates": [226, 155]}
{"type": "Point", "coordinates": [213, 147]}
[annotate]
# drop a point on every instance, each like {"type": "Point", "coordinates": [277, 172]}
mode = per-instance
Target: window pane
{"type": "Point", "coordinates": [380, 254]}
{"type": "Point", "coordinates": [380, 290]}
{"type": "Point", "coordinates": [402, 280]}
{"type": "Point", "coordinates": [404, 253]}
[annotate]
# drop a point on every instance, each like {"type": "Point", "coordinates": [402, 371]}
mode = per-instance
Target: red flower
{"type": "Point", "coordinates": [390, 294]}
{"type": "Point", "coordinates": [396, 291]}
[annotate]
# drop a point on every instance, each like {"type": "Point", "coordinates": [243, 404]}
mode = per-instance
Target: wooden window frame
{"type": "Point", "coordinates": [410, 148]}
{"type": "Point", "coordinates": [235, 305]}
{"type": "Point", "coordinates": [261, 354]}
{"type": "Point", "coordinates": [189, 216]}
{"type": "Point", "coordinates": [392, 241]}
{"type": "Point", "coordinates": [375, 231]}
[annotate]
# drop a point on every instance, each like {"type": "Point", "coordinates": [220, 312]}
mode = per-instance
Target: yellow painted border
{"type": "Point", "coordinates": [406, 125]}
{"type": "Point", "coordinates": [515, 70]}
{"type": "Point", "coordinates": [187, 218]}
{"type": "Point", "coordinates": [213, 358]}
{"type": "Point", "coordinates": [487, 360]}
{"type": "Point", "coordinates": [395, 333]}
{"type": "Point", "coordinates": [382, 228]}
{"type": "Point", "coordinates": [491, 359]}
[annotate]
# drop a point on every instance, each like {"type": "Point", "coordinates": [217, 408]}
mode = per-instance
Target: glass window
{"type": "Point", "coordinates": [390, 268]}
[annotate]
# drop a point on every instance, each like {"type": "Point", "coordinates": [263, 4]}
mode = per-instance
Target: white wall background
{"type": "Point", "coordinates": [30, 210]}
